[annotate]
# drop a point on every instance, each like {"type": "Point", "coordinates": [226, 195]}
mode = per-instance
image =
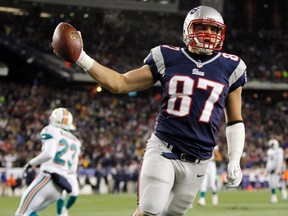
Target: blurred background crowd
{"type": "Point", "coordinates": [114, 128]}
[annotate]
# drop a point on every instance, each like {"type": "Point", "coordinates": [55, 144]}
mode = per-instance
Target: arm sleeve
{"type": "Point", "coordinates": [280, 160]}
{"type": "Point", "coordinates": [268, 162]}
{"type": "Point", "coordinates": [235, 135]}
{"type": "Point", "coordinates": [48, 151]}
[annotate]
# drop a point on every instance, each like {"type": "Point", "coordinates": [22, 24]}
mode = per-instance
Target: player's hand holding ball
{"type": "Point", "coordinates": [67, 42]}
{"type": "Point", "coordinates": [68, 45]}
{"type": "Point", "coordinates": [234, 174]}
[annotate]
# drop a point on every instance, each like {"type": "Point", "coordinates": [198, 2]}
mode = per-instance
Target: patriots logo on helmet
{"type": "Point", "coordinates": [194, 10]}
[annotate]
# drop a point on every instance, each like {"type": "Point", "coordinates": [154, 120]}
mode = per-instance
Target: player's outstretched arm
{"type": "Point", "coordinates": [68, 44]}
{"type": "Point", "coordinates": [235, 134]}
{"type": "Point", "coordinates": [134, 80]}
{"type": "Point", "coordinates": [48, 151]}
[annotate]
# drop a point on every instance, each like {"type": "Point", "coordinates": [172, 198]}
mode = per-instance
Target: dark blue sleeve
{"type": "Point", "coordinates": [159, 58]}
{"type": "Point", "coordinates": [239, 75]}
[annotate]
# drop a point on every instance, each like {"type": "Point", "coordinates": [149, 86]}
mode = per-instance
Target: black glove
{"type": "Point", "coordinates": [27, 166]}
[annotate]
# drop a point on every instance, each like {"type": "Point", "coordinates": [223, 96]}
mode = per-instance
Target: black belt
{"type": "Point", "coordinates": [177, 154]}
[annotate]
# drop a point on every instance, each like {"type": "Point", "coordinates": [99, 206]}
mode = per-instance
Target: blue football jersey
{"type": "Point", "coordinates": [194, 94]}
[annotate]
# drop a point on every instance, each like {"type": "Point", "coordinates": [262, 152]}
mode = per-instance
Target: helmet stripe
{"type": "Point", "coordinates": [65, 117]}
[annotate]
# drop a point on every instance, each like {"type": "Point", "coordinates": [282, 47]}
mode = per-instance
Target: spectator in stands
{"type": "Point", "coordinates": [10, 158]}
{"type": "Point", "coordinates": [11, 183]}
{"type": "Point", "coordinates": [3, 183]}
{"type": "Point", "coordinates": [99, 175]}
{"type": "Point", "coordinates": [30, 175]}
{"type": "Point", "coordinates": [120, 179]}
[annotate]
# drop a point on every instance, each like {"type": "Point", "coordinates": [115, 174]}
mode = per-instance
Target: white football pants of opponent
{"type": "Point", "coordinates": [40, 194]}
{"type": "Point", "coordinates": [167, 187]}
{"type": "Point", "coordinates": [209, 182]}
{"type": "Point", "coordinates": [62, 207]}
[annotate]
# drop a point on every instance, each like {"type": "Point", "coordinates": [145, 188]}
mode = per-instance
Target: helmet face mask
{"type": "Point", "coordinates": [201, 39]}
{"type": "Point", "coordinates": [62, 118]}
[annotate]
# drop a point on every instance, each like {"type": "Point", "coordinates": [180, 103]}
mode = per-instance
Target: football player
{"type": "Point", "coordinates": [209, 181]}
{"type": "Point", "coordinates": [274, 169]}
{"type": "Point", "coordinates": [59, 149]}
{"type": "Point", "coordinates": [199, 82]}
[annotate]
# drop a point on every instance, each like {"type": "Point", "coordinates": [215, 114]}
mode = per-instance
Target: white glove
{"type": "Point", "coordinates": [235, 141]}
{"type": "Point", "coordinates": [234, 174]}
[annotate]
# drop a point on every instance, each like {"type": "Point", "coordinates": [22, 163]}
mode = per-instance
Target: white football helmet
{"type": "Point", "coordinates": [204, 15]}
{"type": "Point", "coordinates": [273, 143]}
{"type": "Point", "coordinates": [62, 118]}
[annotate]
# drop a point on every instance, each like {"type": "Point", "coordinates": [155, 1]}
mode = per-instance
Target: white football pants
{"type": "Point", "coordinates": [40, 194]}
{"type": "Point", "coordinates": [167, 187]}
{"type": "Point", "coordinates": [209, 181]}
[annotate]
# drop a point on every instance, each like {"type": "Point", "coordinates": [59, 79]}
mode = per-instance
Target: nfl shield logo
{"type": "Point", "coordinates": [199, 64]}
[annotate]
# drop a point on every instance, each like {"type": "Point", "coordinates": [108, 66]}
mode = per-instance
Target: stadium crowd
{"type": "Point", "coordinates": [114, 128]}
{"type": "Point", "coordinates": [126, 32]}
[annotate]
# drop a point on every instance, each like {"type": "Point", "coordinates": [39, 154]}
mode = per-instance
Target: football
{"type": "Point", "coordinates": [67, 42]}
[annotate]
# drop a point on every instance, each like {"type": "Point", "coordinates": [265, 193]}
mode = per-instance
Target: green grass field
{"type": "Point", "coordinates": [231, 203]}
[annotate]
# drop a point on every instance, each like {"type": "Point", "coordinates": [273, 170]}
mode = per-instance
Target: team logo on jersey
{"type": "Point", "coordinates": [196, 71]}
{"type": "Point", "coordinates": [199, 64]}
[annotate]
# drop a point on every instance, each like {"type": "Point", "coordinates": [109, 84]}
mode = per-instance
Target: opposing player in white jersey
{"type": "Point", "coordinates": [274, 169]}
{"type": "Point", "coordinates": [198, 83]}
{"type": "Point", "coordinates": [59, 149]}
{"type": "Point", "coordinates": [210, 179]}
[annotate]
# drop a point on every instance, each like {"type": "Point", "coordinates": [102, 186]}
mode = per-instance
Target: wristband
{"type": "Point", "coordinates": [85, 61]}
{"type": "Point", "coordinates": [235, 135]}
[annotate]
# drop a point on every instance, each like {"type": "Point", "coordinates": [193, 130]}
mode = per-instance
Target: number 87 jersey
{"type": "Point", "coordinates": [195, 88]}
